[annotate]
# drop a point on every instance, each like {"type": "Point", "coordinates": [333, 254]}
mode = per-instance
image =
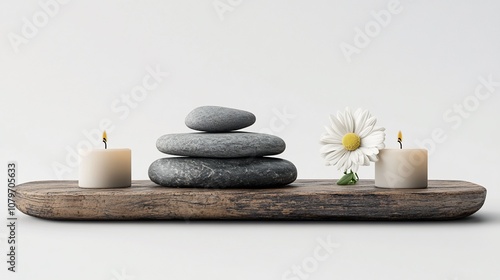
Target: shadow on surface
{"type": "Point", "coordinates": [479, 218]}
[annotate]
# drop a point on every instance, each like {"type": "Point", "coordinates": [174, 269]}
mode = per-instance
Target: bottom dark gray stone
{"type": "Point", "coordinates": [259, 172]}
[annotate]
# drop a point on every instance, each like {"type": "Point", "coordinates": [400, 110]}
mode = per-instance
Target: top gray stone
{"type": "Point", "coordinates": [218, 119]}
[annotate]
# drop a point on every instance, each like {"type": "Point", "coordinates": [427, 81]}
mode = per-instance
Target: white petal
{"type": "Point", "coordinates": [368, 150]}
{"type": "Point", "coordinates": [360, 118]}
{"type": "Point", "coordinates": [354, 168]}
{"type": "Point", "coordinates": [348, 164]}
{"type": "Point", "coordinates": [342, 163]}
{"type": "Point", "coordinates": [351, 161]}
{"type": "Point", "coordinates": [373, 140]}
{"type": "Point", "coordinates": [349, 121]}
{"type": "Point", "coordinates": [381, 146]}
{"type": "Point", "coordinates": [371, 121]}
{"type": "Point", "coordinates": [373, 158]}
{"type": "Point", "coordinates": [365, 132]}
{"type": "Point", "coordinates": [334, 156]}
{"type": "Point", "coordinates": [328, 148]}
{"type": "Point", "coordinates": [341, 116]}
{"type": "Point", "coordinates": [378, 128]}
{"type": "Point", "coordinates": [362, 158]}
{"type": "Point", "coordinates": [367, 160]}
{"type": "Point", "coordinates": [330, 131]}
{"type": "Point", "coordinates": [369, 125]}
{"type": "Point", "coordinates": [338, 126]}
{"type": "Point", "coordinates": [330, 139]}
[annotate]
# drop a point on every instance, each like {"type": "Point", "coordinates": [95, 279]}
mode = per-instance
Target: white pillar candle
{"type": "Point", "coordinates": [105, 168]}
{"type": "Point", "coordinates": [401, 169]}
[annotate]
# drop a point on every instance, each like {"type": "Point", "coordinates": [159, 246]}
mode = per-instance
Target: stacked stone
{"type": "Point", "coordinates": [220, 156]}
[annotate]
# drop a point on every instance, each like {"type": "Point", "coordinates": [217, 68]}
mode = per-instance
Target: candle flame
{"type": "Point", "coordinates": [105, 139]}
{"type": "Point", "coordinates": [400, 139]}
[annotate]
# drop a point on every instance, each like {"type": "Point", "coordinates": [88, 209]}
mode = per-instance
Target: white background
{"type": "Point", "coordinates": [271, 58]}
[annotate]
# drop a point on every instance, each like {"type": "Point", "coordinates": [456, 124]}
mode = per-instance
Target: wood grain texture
{"type": "Point", "coordinates": [302, 200]}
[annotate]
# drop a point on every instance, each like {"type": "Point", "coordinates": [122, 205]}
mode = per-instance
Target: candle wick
{"type": "Point", "coordinates": [105, 143]}
{"type": "Point", "coordinates": [400, 143]}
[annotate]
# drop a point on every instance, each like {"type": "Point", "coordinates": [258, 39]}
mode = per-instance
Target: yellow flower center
{"type": "Point", "coordinates": [351, 141]}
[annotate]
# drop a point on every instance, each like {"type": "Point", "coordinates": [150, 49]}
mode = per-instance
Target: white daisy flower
{"type": "Point", "coordinates": [352, 140]}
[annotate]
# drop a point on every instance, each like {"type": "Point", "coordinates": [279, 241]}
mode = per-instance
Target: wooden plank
{"type": "Point", "coordinates": [302, 200]}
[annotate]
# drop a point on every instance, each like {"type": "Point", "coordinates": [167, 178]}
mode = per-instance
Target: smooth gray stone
{"type": "Point", "coordinates": [222, 173]}
{"type": "Point", "coordinates": [218, 119]}
{"type": "Point", "coordinates": [220, 145]}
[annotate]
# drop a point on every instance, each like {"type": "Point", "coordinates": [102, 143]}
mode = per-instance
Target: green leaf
{"type": "Point", "coordinates": [346, 179]}
{"type": "Point", "coordinates": [350, 178]}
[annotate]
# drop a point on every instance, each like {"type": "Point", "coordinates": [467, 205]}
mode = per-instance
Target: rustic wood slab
{"type": "Point", "coordinates": [302, 200]}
